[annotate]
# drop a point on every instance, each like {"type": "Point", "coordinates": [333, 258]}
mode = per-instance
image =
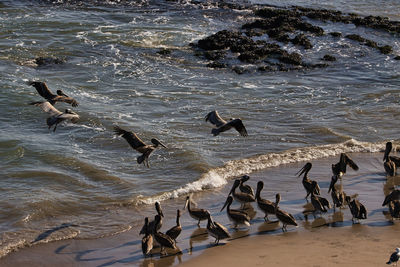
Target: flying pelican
{"type": "Point", "coordinates": [340, 167]}
{"type": "Point", "coordinates": [175, 231]}
{"type": "Point", "coordinates": [244, 187]}
{"type": "Point", "coordinates": [44, 91]}
{"type": "Point", "coordinates": [307, 182]}
{"type": "Point", "coordinates": [136, 143]}
{"type": "Point", "coordinates": [390, 166]}
{"type": "Point", "coordinates": [394, 258]}
{"type": "Point", "coordinates": [265, 205]}
{"type": "Point", "coordinates": [222, 125]}
{"type": "Point", "coordinates": [283, 216]}
{"type": "Point", "coordinates": [195, 213]}
{"type": "Point", "coordinates": [394, 195]}
{"type": "Point", "coordinates": [56, 116]}
{"type": "Point", "coordinates": [241, 197]}
{"type": "Point", "coordinates": [357, 209]}
{"type": "Point", "coordinates": [162, 239]}
{"type": "Point", "coordinates": [217, 230]}
{"type": "Point", "coordinates": [236, 216]}
{"type": "Point", "coordinates": [151, 224]}
{"type": "Point", "coordinates": [147, 240]}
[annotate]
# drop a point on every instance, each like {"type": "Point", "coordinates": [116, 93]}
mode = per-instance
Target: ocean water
{"type": "Point", "coordinates": [84, 181]}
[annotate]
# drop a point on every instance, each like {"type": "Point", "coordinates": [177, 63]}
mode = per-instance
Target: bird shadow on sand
{"type": "Point", "coordinates": [47, 233]}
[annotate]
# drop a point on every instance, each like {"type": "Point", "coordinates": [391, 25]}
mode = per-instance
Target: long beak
{"type": "Point", "coordinates": [164, 146]}
{"type": "Point", "coordinates": [226, 203]}
{"type": "Point", "coordinates": [186, 203]}
{"type": "Point", "coordinates": [302, 170]}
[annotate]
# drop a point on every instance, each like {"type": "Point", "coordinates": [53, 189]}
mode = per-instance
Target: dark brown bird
{"type": "Point", "coordinates": [195, 213]}
{"type": "Point", "coordinates": [394, 195]}
{"type": "Point", "coordinates": [244, 187]}
{"type": "Point", "coordinates": [320, 204]}
{"type": "Point", "coordinates": [394, 209]}
{"type": "Point", "coordinates": [151, 224]}
{"type": "Point", "coordinates": [222, 125]}
{"type": "Point", "coordinates": [241, 197]}
{"type": "Point", "coordinates": [162, 239]}
{"type": "Point", "coordinates": [56, 116]}
{"type": "Point", "coordinates": [147, 240]}
{"type": "Point", "coordinates": [283, 216]}
{"type": "Point", "coordinates": [340, 167]}
{"type": "Point", "coordinates": [44, 91]}
{"type": "Point", "coordinates": [136, 143]}
{"type": "Point", "coordinates": [235, 216]}
{"type": "Point", "coordinates": [394, 257]}
{"type": "Point", "coordinates": [268, 207]}
{"type": "Point", "coordinates": [217, 230]}
{"type": "Point", "coordinates": [389, 165]}
{"type": "Point", "coordinates": [307, 182]}
{"type": "Point", "coordinates": [338, 198]}
{"type": "Point", "coordinates": [175, 231]}
{"type": "Point", "coordinates": [357, 209]}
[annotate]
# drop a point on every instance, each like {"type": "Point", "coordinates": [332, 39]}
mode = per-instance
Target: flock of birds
{"type": "Point", "coordinates": [245, 195]}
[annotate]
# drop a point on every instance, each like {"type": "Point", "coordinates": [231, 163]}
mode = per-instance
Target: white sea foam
{"type": "Point", "coordinates": [218, 177]}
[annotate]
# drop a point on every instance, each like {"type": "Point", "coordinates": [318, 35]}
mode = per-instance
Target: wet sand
{"type": "Point", "coordinates": [328, 240]}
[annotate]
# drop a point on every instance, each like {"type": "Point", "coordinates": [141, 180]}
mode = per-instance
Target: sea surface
{"type": "Point", "coordinates": [84, 182]}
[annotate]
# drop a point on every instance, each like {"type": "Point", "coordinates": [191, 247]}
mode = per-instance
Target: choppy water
{"type": "Point", "coordinates": [85, 176]}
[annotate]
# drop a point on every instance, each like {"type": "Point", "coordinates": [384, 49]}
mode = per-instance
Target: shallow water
{"type": "Point", "coordinates": [82, 174]}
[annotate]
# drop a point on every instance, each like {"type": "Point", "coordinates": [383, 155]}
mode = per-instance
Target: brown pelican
{"type": "Point", "coordinates": [283, 216]}
{"type": "Point", "coordinates": [195, 213]}
{"type": "Point", "coordinates": [358, 210]}
{"type": "Point", "coordinates": [333, 182]}
{"type": "Point", "coordinates": [162, 239]}
{"type": "Point", "coordinates": [244, 187]}
{"type": "Point", "coordinates": [394, 209]}
{"type": "Point", "coordinates": [320, 204]}
{"type": "Point", "coordinates": [338, 198]}
{"type": "Point", "coordinates": [136, 143]}
{"type": "Point", "coordinates": [44, 91]}
{"type": "Point", "coordinates": [236, 216]}
{"type": "Point", "coordinates": [394, 258]}
{"type": "Point", "coordinates": [217, 230]}
{"type": "Point", "coordinates": [147, 240]}
{"type": "Point", "coordinates": [151, 224]}
{"type": "Point", "coordinates": [56, 116]}
{"type": "Point", "coordinates": [175, 231]}
{"type": "Point", "coordinates": [223, 125]}
{"type": "Point", "coordinates": [340, 167]}
{"type": "Point", "coordinates": [307, 182]}
{"type": "Point", "coordinates": [265, 205]}
{"type": "Point", "coordinates": [390, 166]}
{"type": "Point", "coordinates": [241, 197]}
{"type": "Point", "coordinates": [394, 195]}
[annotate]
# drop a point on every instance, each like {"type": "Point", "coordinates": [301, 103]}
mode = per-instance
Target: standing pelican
{"type": "Point", "coordinates": [195, 213]}
{"type": "Point", "coordinates": [340, 167]}
{"type": "Point", "coordinates": [217, 230]}
{"type": "Point", "coordinates": [394, 195]}
{"type": "Point", "coordinates": [307, 182]}
{"type": "Point", "coordinates": [147, 240]}
{"type": "Point", "coordinates": [338, 198]}
{"type": "Point", "coordinates": [394, 258]}
{"type": "Point", "coordinates": [223, 125]}
{"type": "Point", "coordinates": [390, 166]}
{"type": "Point", "coordinates": [358, 210]}
{"type": "Point", "coordinates": [244, 187]}
{"type": "Point", "coordinates": [56, 116]}
{"type": "Point", "coordinates": [44, 91]}
{"type": "Point", "coordinates": [175, 231]}
{"type": "Point", "coordinates": [241, 197]}
{"type": "Point", "coordinates": [319, 203]}
{"type": "Point", "coordinates": [265, 205]}
{"type": "Point", "coordinates": [394, 209]}
{"type": "Point", "coordinates": [162, 239]}
{"type": "Point", "coordinates": [283, 216]}
{"type": "Point", "coordinates": [136, 143]}
{"type": "Point", "coordinates": [150, 226]}
{"type": "Point", "coordinates": [236, 216]}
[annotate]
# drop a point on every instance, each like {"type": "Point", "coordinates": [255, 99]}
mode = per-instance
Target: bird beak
{"type": "Point", "coordinates": [226, 203]}
{"type": "Point", "coordinates": [186, 203]}
{"type": "Point", "coordinates": [164, 146]}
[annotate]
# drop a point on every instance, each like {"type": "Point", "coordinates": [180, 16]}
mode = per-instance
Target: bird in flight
{"type": "Point", "coordinates": [222, 125]}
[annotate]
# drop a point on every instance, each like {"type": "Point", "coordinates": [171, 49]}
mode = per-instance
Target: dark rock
{"type": "Point", "coordinates": [214, 55]}
{"type": "Point", "coordinates": [293, 58]}
{"type": "Point", "coordinates": [216, 65]}
{"type": "Point", "coordinates": [396, 58]}
{"type": "Point", "coordinates": [45, 61]}
{"type": "Point", "coordinates": [355, 37]}
{"type": "Point", "coordinates": [336, 34]}
{"type": "Point", "coordinates": [239, 69]}
{"type": "Point", "coordinates": [266, 68]}
{"type": "Point", "coordinates": [371, 44]}
{"type": "Point", "coordinates": [164, 52]}
{"type": "Point", "coordinates": [386, 49]}
{"type": "Point", "coordinates": [329, 58]}
{"type": "Point", "coordinates": [302, 40]}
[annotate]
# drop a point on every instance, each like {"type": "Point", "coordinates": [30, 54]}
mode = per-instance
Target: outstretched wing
{"type": "Point", "coordinates": [134, 141]}
{"type": "Point", "coordinates": [350, 162]}
{"type": "Point", "coordinates": [238, 125]}
{"type": "Point", "coordinates": [65, 98]}
{"type": "Point", "coordinates": [48, 108]}
{"type": "Point", "coordinates": [215, 119]}
{"type": "Point", "coordinates": [42, 89]}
